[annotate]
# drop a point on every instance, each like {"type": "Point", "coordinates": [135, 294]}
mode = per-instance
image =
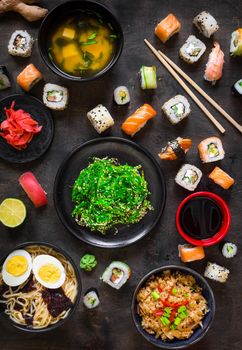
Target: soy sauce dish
{"type": "Point", "coordinates": [80, 40]}
{"type": "Point", "coordinates": [173, 307]}
{"type": "Point", "coordinates": [40, 287]}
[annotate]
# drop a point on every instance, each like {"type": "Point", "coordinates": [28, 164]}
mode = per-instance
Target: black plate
{"type": "Point", "coordinates": [127, 152]}
{"type": "Point", "coordinates": [40, 142]}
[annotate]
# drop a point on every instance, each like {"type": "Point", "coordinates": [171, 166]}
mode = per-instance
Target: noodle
{"type": "Point", "coordinates": [187, 292]}
{"type": "Point", "coordinates": [28, 307]}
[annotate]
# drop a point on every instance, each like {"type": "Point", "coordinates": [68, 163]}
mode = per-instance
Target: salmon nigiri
{"type": "Point", "coordinates": [189, 253]}
{"type": "Point", "coordinates": [214, 66]}
{"type": "Point", "coordinates": [138, 119]}
{"type": "Point", "coordinates": [167, 27]}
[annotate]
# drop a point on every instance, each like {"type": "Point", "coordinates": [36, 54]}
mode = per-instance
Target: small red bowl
{"type": "Point", "coordinates": [225, 222]}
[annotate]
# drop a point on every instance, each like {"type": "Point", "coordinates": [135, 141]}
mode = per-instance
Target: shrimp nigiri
{"type": "Point", "coordinates": [214, 66]}
{"type": "Point", "coordinates": [138, 119]}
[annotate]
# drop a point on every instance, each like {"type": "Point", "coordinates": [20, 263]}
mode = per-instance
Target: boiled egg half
{"type": "Point", "coordinates": [17, 268]}
{"type": "Point", "coordinates": [49, 271]}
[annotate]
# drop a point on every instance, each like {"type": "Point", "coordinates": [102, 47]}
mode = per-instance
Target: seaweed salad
{"type": "Point", "coordinates": [107, 194]}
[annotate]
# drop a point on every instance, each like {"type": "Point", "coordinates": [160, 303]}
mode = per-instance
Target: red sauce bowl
{"type": "Point", "coordinates": [226, 218]}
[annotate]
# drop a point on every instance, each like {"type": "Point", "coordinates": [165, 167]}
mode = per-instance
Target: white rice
{"type": "Point", "coordinates": [216, 272]}
{"type": "Point", "coordinates": [206, 24]}
{"type": "Point", "coordinates": [24, 48]}
{"type": "Point", "coordinates": [100, 118]}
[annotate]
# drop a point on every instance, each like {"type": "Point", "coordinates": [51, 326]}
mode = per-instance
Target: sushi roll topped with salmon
{"type": "Point", "coordinates": [167, 28]}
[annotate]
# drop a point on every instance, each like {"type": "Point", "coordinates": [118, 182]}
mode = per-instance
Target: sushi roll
{"type": "Point", "coordinates": [211, 150]}
{"type": "Point", "coordinates": [20, 44]}
{"type": "Point", "coordinates": [100, 118]}
{"type": "Point", "coordinates": [237, 88]}
{"type": "Point", "coordinates": [167, 28]}
{"type": "Point", "coordinates": [138, 119]}
{"type": "Point", "coordinates": [214, 66]}
{"type": "Point", "coordinates": [188, 177]}
{"type": "Point", "coordinates": [121, 95]}
{"type": "Point", "coordinates": [91, 298]}
{"type": "Point", "coordinates": [4, 78]}
{"type": "Point", "coordinates": [29, 77]}
{"type": "Point", "coordinates": [55, 96]}
{"type": "Point", "coordinates": [148, 77]}
{"type": "Point", "coordinates": [206, 24]}
{"type": "Point", "coordinates": [188, 253]}
{"type": "Point", "coordinates": [221, 178]}
{"type": "Point", "coordinates": [216, 272]}
{"type": "Point", "coordinates": [192, 50]}
{"type": "Point", "coordinates": [176, 109]}
{"type": "Point", "coordinates": [229, 250]}
{"type": "Point", "coordinates": [116, 274]}
{"type": "Point", "coordinates": [236, 43]}
{"type": "Point", "coordinates": [175, 149]}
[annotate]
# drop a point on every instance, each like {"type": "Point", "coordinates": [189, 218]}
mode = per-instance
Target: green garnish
{"type": "Point", "coordinates": [181, 309]}
{"type": "Point", "coordinates": [50, 54]}
{"type": "Point", "coordinates": [107, 194]}
{"type": "Point", "coordinates": [92, 36]}
{"type": "Point", "coordinates": [183, 315]}
{"type": "Point", "coordinates": [155, 295]}
{"type": "Point", "coordinates": [173, 327]}
{"type": "Point", "coordinates": [186, 295]}
{"type": "Point", "coordinates": [88, 262]}
{"type": "Point", "coordinates": [113, 36]}
{"type": "Point", "coordinates": [165, 321]}
{"type": "Point", "coordinates": [89, 42]}
{"type": "Point", "coordinates": [177, 321]}
{"type": "Point", "coordinates": [240, 83]}
{"type": "Point", "coordinates": [174, 290]}
{"type": "Point", "coordinates": [213, 149]}
{"type": "Point", "coordinates": [167, 310]}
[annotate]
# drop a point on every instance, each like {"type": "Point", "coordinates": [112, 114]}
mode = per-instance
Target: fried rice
{"type": "Point", "coordinates": [171, 305]}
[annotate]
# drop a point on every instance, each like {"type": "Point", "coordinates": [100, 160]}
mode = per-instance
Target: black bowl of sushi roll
{"type": "Point", "coordinates": [80, 40]}
{"type": "Point", "coordinates": [168, 300]}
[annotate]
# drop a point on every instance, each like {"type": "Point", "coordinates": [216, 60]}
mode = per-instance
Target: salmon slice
{"type": "Point", "coordinates": [189, 253]}
{"type": "Point", "coordinates": [175, 149]}
{"type": "Point", "coordinates": [29, 77]}
{"type": "Point", "coordinates": [167, 27]}
{"type": "Point", "coordinates": [138, 119]}
{"type": "Point", "coordinates": [214, 66]}
{"type": "Point", "coordinates": [221, 178]}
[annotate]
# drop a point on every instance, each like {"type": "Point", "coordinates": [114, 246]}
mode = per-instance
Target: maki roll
{"type": "Point", "coordinates": [229, 250]}
{"type": "Point", "coordinates": [20, 44]}
{"type": "Point", "coordinates": [116, 274]}
{"type": "Point", "coordinates": [4, 78]}
{"type": "Point", "coordinates": [55, 96]}
{"type": "Point", "coordinates": [211, 150]}
{"type": "Point", "coordinates": [148, 77]}
{"type": "Point", "coordinates": [188, 177]}
{"type": "Point", "coordinates": [100, 118]}
{"type": "Point", "coordinates": [216, 272]}
{"type": "Point", "coordinates": [192, 50]}
{"type": "Point", "coordinates": [91, 298]}
{"type": "Point", "coordinates": [29, 77]}
{"type": "Point", "coordinates": [221, 178]}
{"type": "Point", "coordinates": [167, 28]}
{"type": "Point", "coordinates": [188, 253]}
{"type": "Point", "coordinates": [176, 109]}
{"type": "Point", "coordinates": [237, 88]}
{"type": "Point", "coordinates": [236, 43]}
{"type": "Point", "coordinates": [206, 24]}
{"type": "Point", "coordinates": [121, 95]}
{"type": "Point", "coordinates": [175, 149]}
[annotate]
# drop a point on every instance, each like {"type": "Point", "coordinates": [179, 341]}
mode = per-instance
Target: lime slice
{"type": "Point", "coordinates": [12, 212]}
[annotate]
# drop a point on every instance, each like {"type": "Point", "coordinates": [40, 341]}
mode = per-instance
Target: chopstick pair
{"type": "Point", "coordinates": [173, 70]}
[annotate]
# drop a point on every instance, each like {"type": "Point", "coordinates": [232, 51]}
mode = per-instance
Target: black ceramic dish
{"type": "Point", "coordinates": [40, 142]}
{"type": "Point", "coordinates": [199, 333]}
{"type": "Point", "coordinates": [72, 7]}
{"type": "Point", "coordinates": [127, 152]}
{"type": "Point", "coordinates": [76, 303]}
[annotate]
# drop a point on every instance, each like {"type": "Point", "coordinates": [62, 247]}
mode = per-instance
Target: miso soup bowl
{"type": "Point", "coordinates": [61, 12]}
{"type": "Point", "coordinates": [226, 218]}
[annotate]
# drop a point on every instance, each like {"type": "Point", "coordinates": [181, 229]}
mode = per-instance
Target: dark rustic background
{"type": "Point", "coordinates": [110, 327]}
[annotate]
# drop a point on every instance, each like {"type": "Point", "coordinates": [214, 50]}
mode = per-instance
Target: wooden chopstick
{"type": "Point", "coordinates": [185, 87]}
{"type": "Point", "coordinates": [202, 92]}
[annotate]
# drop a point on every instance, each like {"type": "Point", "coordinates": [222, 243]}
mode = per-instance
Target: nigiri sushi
{"type": "Point", "coordinates": [167, 27]}
{"type": "Point", "coordinates": [188, 253]}
{"type": "Point", "coordinates": [214, 66]}
{"type": "Point", "coordinates": [175, 149]}
{"type": "Point", "coordinates": [236, 43]}
{"type": "Point", "coordinates": [33, 189]}
{"type": "Point", "coordinates": [138, 119]}
{"type": "Point", "coordinates": [29, 77]}
{"type": "Point", "coordinates": [221, 178]}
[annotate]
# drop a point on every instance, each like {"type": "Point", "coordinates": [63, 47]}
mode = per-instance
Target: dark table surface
{"type": "Point", "coordinates": [110, 326]}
